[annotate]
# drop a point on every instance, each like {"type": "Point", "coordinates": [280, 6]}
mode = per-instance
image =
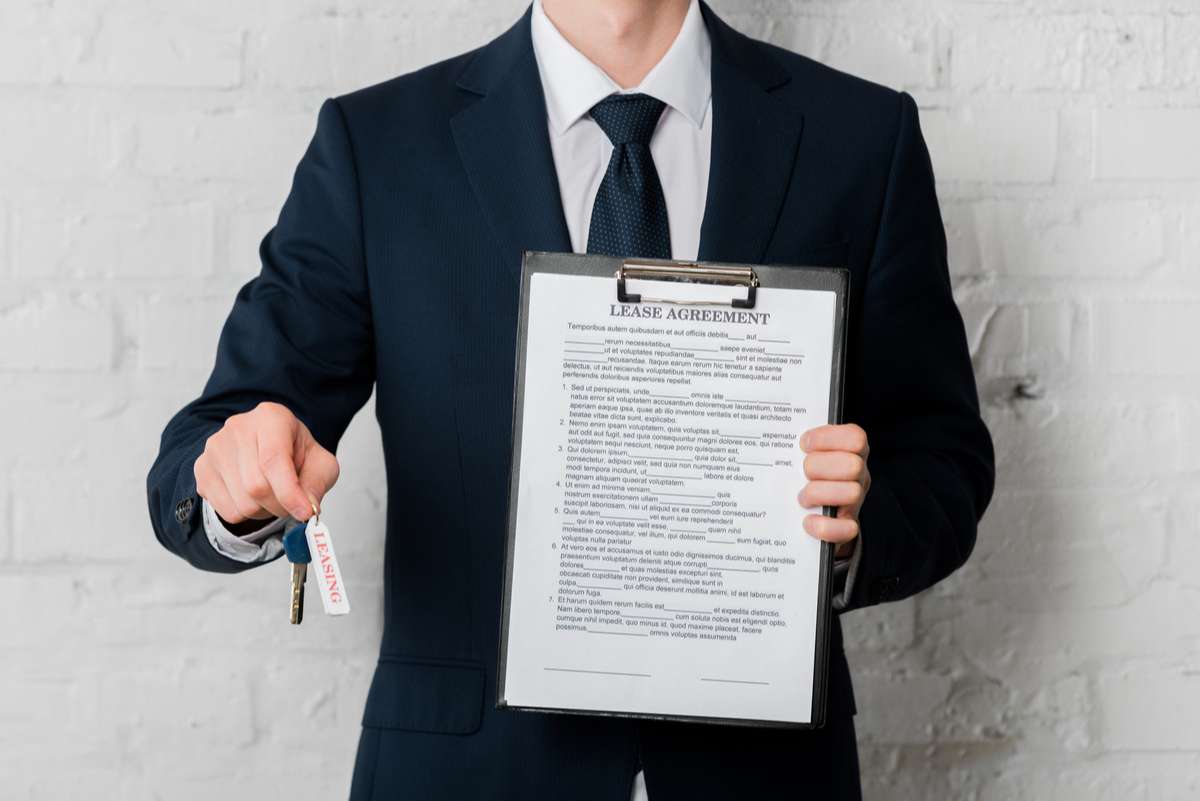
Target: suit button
{"type": "Point", "coordinates": [183, 511]}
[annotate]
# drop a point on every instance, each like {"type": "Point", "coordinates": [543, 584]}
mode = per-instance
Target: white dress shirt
{"type": "Point", "coordinates": [681, 144]}
{"type": "Point", "coordinates": [681, 148]}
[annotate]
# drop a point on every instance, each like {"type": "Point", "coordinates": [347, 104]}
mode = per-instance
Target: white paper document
{"type": "Point", "coordinates": [659, 565]}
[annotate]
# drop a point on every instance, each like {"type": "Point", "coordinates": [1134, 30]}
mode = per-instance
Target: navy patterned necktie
{"type": "Point", "coordinates": [629, 218]}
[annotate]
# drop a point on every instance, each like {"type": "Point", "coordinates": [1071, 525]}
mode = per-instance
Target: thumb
{"type": "Point", "coordinates": [277, 462]}
{"type": "Point", "coordinates": [318, 472]}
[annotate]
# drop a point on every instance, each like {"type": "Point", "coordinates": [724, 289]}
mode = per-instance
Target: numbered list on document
{"type": "Point", "coordinates": [659, 564]}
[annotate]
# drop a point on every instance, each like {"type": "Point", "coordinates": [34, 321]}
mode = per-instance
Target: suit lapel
{"type": "Point", "coordinates": [504, 145]}
{"type": "Point", "coordinates": [755, 139]}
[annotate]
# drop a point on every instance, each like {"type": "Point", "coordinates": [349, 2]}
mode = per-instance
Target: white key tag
{"type": "Point", "coordinates": [325, 568]}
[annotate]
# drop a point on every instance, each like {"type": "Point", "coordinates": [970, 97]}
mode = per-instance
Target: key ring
{"type": "Point", "coordinates": [316, 512]}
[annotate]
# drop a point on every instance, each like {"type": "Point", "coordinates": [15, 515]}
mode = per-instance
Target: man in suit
{"type": "Point", "coordinates": [628, 127]}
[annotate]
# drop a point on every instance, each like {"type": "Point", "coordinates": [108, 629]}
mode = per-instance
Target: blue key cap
{"type": "Point", "coordinates": [295, 546]}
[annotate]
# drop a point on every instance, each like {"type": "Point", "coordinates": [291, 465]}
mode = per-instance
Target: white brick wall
{"type": "Point", "coordinates": [145, 146]}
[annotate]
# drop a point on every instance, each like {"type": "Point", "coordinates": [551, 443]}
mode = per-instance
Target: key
{"type": "Point", "coordinates": [295, 547]}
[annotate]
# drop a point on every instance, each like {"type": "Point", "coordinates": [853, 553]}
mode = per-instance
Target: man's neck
{"type": "Point", "coordinates": [625, 38]}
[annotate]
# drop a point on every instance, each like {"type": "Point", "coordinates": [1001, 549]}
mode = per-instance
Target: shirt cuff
{"type": "Point", "coordinates": [845, 571]}
{"type": "Point", "coordinates": [261, 545]}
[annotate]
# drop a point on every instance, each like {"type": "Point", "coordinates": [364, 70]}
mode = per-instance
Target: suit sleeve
{"type": "Point", "coordinates": [912, 389]}
{"type": "Point", "coordinates": [300, 334]}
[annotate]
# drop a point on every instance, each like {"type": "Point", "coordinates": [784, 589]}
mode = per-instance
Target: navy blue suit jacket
{"type": "Point", "coordinates": [402, 236]}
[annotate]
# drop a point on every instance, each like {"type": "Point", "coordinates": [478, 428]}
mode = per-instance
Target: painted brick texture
{"type": "Point", "coordinates": [145, 147]}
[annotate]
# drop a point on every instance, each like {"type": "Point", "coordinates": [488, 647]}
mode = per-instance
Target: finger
{"type": "Point", "coordinates": [849, 437]}
{"type": "Point", "coordinates": [223, 452]}
{"type": "Point", "coordinates": [319, 472]}
{"type": "Point", "coordinates": [211, 488]}
{"type": "Point", "coordinates": [251, 481]}
{"type": "Point", "coordinates": [247, 507]}
{"type": "Point", "coordinates": [831, 529]}
{"type": "Point", "coordinates": [274, 460]}
{"type": "Point", "coordinates": [834, 466]}
{"type": "Point", "coordinates": [831, 493]}
{"type": "Point", "coordinates": [228, 460]}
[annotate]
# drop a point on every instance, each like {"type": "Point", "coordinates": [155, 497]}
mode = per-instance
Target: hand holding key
{"type": "Point", "coordinates": [264, 464]}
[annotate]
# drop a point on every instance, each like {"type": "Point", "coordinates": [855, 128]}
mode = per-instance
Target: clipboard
{"type": "Point", "coordinates": [621, 272]}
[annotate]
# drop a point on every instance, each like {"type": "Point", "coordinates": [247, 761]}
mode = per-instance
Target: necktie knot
{"type": "Point", "coordinates": [628, 119]}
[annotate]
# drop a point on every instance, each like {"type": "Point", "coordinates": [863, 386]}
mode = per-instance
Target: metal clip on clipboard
{"type": "Point", "coordinates": [688, 272]}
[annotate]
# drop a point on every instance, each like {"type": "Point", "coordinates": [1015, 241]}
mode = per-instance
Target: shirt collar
{"type": "Point", "coordinates": [572, 84]}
